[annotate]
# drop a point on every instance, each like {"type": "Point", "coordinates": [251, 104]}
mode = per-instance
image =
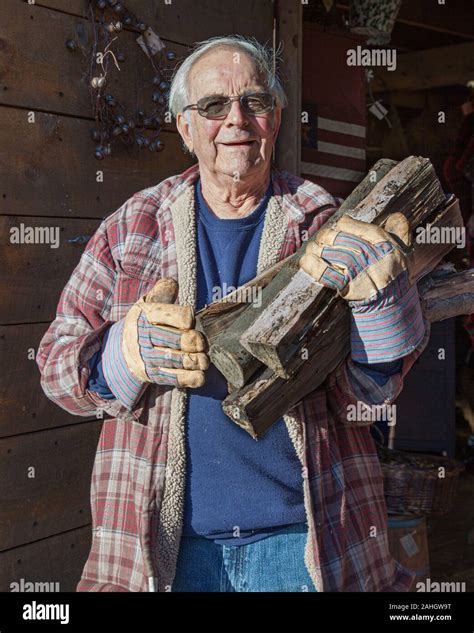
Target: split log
{"type": "Point", "coordinates": [224, 321]}
{"type": "Point", "coordinates": [224, 325]}
{"type": "Point", "coordinates": [260, 403]}
{"type": "Point", "coordinates": [217, 317]}
{"type": "Point", "coordinates": [264, 396]}
{"type": "Point", "coordinates": [447, 295]}
{"type": "Point", "coordinates": [257, 405]}
{"type": "Point", "coordinates": [283, 329]}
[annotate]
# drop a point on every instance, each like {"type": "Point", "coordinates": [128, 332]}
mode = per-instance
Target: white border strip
{"type": "Point", "coordinates": [341, 150]}
{"type": "Point", "coordinates": [337, 173]}
{"type": "Point", "coordinates": [340, 126]}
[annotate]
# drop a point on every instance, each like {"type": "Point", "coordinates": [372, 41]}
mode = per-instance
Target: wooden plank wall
{"type": "Point", "coordinates": [48, 179]}
{"type": "Point", "coordinates": [289, 35]}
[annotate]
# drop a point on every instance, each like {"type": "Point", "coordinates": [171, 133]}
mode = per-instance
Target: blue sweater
{"type": "Point", "coordinates": [238, 490]}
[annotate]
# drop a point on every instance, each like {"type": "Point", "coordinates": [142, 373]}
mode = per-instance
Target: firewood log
{"type": "Point", "coordinates": [283, 328]}
{"type": "Point", "coordinates": [300, 332]}
{"type": "Point", "coordinates": [224, 321]}
{"type": "Point", "coordinates": [267, 396]}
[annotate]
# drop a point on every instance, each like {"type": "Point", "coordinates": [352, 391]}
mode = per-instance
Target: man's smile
{"type": "Point", "coordinates": [239, 143]}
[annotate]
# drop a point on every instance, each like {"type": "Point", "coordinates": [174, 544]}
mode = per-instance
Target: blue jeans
{"type": "Point", "coordinates": [275, 563]}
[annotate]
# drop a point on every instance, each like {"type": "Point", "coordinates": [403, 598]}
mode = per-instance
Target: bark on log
{"type": "Point", "coordinates": [284, 327]}
{"type": "Point", "coordinates": [411, 187]}
{"type": "Point", "coordinates": [448, 295]}
{"type": "Point", "coordinates": [257, 405]}
{"type": "Point", "coordinates": [224, 325]}
{"type": "Point", "coordinates": [219, 322]}
{"type": "Point", "coordinates": [217, 317]}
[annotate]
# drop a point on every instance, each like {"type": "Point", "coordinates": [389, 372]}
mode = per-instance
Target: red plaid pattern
{"type": "Point", "coordinates": [137, 488]}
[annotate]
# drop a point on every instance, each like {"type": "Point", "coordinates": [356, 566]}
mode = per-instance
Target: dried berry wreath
{"type": "Point", "coordinates": [114, 121]}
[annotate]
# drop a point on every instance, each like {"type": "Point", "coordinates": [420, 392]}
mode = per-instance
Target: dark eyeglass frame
{"type": "Point", "coordinates": [199, 106]}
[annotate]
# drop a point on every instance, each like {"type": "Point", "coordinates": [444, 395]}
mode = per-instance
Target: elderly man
{"type": "Point", "coordinates": [182, 498]}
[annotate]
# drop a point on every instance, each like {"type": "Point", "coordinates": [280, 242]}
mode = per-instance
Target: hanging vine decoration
{"type": "Point", "coordinates": [115, 122]}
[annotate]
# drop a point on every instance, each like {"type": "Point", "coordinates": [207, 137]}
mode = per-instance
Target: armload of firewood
{"type": "Point", "coordinates": [275, 351]}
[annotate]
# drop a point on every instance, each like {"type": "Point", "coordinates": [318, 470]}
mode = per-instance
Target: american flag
{"type": "Point", "coordinates": [333, 144]}
{"type": "Point", "coordinates": [333, 150]}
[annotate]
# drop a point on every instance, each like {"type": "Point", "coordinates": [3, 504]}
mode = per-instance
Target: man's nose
{"type": "Point", "coordinates": [237, 115]}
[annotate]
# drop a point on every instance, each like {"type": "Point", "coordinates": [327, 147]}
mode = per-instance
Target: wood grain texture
{"type": "Point", "coordinates": [215, 317]}
{"type": "Point", "coordinates": [228, 354]}
{"type": "Point", "coordinates": [226, 351]}
{"type": "Point", "coordinates": [448, 295]}
{"type": "Point", "coordinates": [188, 21]}
{"type": "Point", "coordinates": [267, 396]}
{"type": "Point", "coordinates": [44, 74]}
{"type": "Point", "coordinates": [32, 276]}
{"type": "Point", "coordinates": [443, 66]}
{"type": "Point", "coordinates": [56, 499]}
{"type": "Point", "coordinates": [49, 172]}
{"type": "Point", "coordinates": [263, 400]}
{"type": "Point", "coordinates": [284, 327]}
{"type": "Point", "coordinates": [56, 79]}
{"type": "Point", "coordinates": [289, 34]}
{"type": "Point", "coordinates": [59, 558]}
{"type": "Point", "coordinates": [48, 167]}
{"type": "Point", "coordinates": [23, 405]}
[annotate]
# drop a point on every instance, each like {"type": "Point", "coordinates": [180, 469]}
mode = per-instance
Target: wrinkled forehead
{"type": "Point", "coordinates": [224, 71]}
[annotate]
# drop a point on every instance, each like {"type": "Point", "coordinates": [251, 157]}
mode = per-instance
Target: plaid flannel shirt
{"type": "Point", "coordinates": [137, 488]}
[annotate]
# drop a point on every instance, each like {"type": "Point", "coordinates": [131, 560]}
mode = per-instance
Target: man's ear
{"type": "Point", "coordinates": [184, 129]}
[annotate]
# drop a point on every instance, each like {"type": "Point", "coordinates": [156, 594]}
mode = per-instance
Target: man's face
{"type": "Point", "coordinates": [229, 72]}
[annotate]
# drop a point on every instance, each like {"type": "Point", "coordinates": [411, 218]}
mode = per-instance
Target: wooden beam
{"type": "Point", "coordinates": [32, 276]}
{"type": "Point", "coordinates": [289, 32]}
{"type": "Point", "coordinates": [23, 405]}
{"type": "Point", "coordinates": [453, 18]}
{"type": "Point", "coordinates": [48, 167]}
{"type": "Point", "coordinates": [45, 482]}
{"type": "Point", "coordinates": [56, 559]}
{"type": "Point", "coordinates": [418, 70]}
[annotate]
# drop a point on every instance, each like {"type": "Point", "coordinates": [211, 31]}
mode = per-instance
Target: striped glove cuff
{"type": "Point", "coordinates": [388, 327]}
{"type": "Point", "coordinates": [123, 384]}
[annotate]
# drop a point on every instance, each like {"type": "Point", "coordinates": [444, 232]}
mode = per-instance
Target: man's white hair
{"type": "Point", "coordinates": [263, 56]}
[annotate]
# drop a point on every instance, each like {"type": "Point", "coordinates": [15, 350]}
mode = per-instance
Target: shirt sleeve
{"type": "Point", "coordinates": [97, 382]}
{"type": "Point", "coordinates": [82, 320]}
{"type": "Point", "coordinates": [381, 372]}
{"type": "Point", "coordinates": [350, 384]}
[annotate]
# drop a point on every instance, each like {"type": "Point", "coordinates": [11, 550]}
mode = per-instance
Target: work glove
{"type": "Point", "coordinates": [154, 342]}
{"type": "Point", "coordinates": [368, 266]}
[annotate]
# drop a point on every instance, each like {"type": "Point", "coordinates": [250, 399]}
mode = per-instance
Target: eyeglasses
{"type": "Point", "coordinates": [218, 107]}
